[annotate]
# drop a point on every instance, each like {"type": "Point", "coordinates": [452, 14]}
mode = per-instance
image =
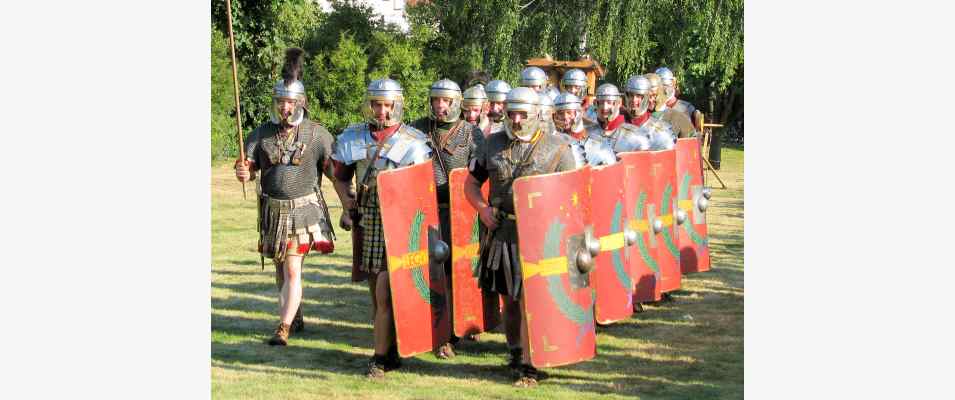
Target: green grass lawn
{"type": "Point", "coordinates": [691, 348]}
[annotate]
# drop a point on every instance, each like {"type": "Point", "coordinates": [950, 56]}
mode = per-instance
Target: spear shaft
{"type": "Point", "coordinates": [235, 81]}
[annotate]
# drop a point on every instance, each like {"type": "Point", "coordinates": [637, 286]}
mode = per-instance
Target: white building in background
{"type": "Point", "coordinates": [392, 10]}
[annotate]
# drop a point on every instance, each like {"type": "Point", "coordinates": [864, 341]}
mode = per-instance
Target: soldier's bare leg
{"type": "Point", "coordinates": [446, 350]}
{"type": "Point", "coordinates": [386, 352]}
{"type": "Point", "coordinates": [280, 283]}
{"type": "Point", "coordinates": [372, 285]}
{"type": "Point", "coordinates": [528, 375]}
{"type": "Point", "coordinates": [384, 318]}
{"type": "Point", "coordinates": [290, 298]}
{"type": "Point", "coordinates": [512, 322]}
{"type": "Point", "coordinates": [292, 289]}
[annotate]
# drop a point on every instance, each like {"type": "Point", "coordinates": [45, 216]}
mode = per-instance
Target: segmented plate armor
{"type": "Point", "coordinates": [456, 152]}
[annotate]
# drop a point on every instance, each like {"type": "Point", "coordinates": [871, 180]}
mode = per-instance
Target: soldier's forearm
{"type": "Point", "coordinates": [472, 191]}
{"type": "Point", "coordinates": [346, 193]}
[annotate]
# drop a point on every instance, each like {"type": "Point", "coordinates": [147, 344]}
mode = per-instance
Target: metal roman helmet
{"type": "Point", "coordinates": [655, 81]}
{"type": "Point", "coordinates": [668, 81]}
{"type": "Point", "coordinates": [666, 76]}
{"type": "Point", "coordinates": [384, 90]}
{"type": "Point", "coordinates": [474, 96]}
{"type": "Point", "coordinates": [533, 76]}
{"type": "Point", "coordinates": [497, 90]}
{"type": "Point", "coordinates": [574, 77]}
{"type": "Point", "coordinates": [609, 91]}
{"type": "Point", "coordinates": [546, 106]}
{"type": "Point", "coordinates": [523, 99]}
{"type": "Point", "coordinates": [658, 96]}
{"type": "Point", "coordinates": [289, 87]}
{"type": "Point", "coordinates": [448, 89]}
{"type": "Point", "coordinates": [638, 85]}
{"type": "Point", "coordinates": [567, 101]}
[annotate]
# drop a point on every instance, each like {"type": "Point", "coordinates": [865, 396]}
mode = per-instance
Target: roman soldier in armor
{"type": "Point", "coordinates": [611, 124]}
{"type": "Point", "coordinates": [475, 107]}
{"type": "Point", "coordinates": [455, 142]}
{"type": "Point", "coordinates": [679, 121]}
{"type": "Point", "coordinates": [363, 150]}
{"type": "Point", "coordinates": [534, 78]}
{"type": "Point", "coordinates": [638, 103]}
{"type": "Point", "coordinates": [586, 149]}
{"type": "Point", "coordinates": [546, 106]}
{"type": "Point", "coordinates": [497, 91]}
{"type": "Point", "coordinates": [671, 89]}
{"type": "Point", "coordinates": [522, 149]}
{"type": "Point", "coordinates": [574, 81]}
{"type": "Point", "coordinates": [291, 153]}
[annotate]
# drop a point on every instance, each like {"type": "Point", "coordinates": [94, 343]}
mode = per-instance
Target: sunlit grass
{"type": "Point", "coordinates": [691, 348]}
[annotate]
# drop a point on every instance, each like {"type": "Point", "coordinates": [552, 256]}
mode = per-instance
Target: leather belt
{"type": "Point", "coordinates": [292, 203]}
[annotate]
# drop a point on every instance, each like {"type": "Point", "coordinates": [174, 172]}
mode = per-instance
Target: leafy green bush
{"type": "Point", "coordinates": [224, 142]}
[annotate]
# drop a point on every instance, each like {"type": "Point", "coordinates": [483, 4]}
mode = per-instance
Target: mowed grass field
{"type": "Point", "coordinates": [691, 348]}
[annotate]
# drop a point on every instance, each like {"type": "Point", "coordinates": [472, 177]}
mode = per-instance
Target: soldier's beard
{"type": "Point", "coordinates": [381, 124]}
{"type": "Point", "coordinates": [524, 132]}
{"type": "Point", "coordinates": [613, 115]}
{"type": "Point", "coordinates": [636, 112]}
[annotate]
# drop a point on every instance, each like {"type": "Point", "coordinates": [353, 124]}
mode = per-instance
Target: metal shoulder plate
{"type": "Point", "coordinates": [661, 133]}
{"type": "Point", "coordinates": [598, 152]}
{"type": "Point", "coordinates": [594, 130]}
{"type": "Point", "coordinates": [407, 146]}
{"type": "Point", "coordinates": [631, 138]}
{"type": "Point", "coordinates": [577, 149]}
{"type": "Point", "coordinates": [353, 143]}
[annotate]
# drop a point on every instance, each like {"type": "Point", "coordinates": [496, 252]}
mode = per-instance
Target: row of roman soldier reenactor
{"type": "Point", "coordinates": [527, 206]}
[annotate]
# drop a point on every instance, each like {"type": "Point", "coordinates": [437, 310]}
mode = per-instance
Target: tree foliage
{"type": "Point", "coordinates": [222, 105]}
{"type": "Point", "coordinates": [701, 41]}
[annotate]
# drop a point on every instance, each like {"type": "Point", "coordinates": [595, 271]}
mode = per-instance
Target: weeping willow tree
{"type": "Point", "coordinates": [701, 41]}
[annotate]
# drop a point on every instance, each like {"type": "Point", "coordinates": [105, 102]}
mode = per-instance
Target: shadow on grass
{"type": "Point", "coordinates": [260, 330]}
{"type": "Point", "coordinates": [304, 362]}
{"type": "Point", "coordinates": [346, 304]}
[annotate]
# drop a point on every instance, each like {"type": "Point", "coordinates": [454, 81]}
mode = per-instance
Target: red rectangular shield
{"type": "Point", "coordinates": [644, 266]}
{"type": "Point", "coordinates": [663, 176]}
{"type": "Point", "coordinates": [473, 312]}
{"type": "Point", "coordinates": [611, 278]}
{"type": "Point", "coordinates": [552, 221]}
{"type": "Point", "coordinates": [409, 217]}
{"type": "Point", "coordinates": [693, 239]}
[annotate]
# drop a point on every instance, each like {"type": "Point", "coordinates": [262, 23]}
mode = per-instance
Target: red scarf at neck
{"type": "Point", "coordinates": [385, 133]}
{"type": "Point", "coordinates": [579, 135]}
{"type": "Point", "coordinates": [613, 125]}
{"type": "Point", "coordinates": [671, 102]}
{"type": "Point", "coordinates": [639, 121]}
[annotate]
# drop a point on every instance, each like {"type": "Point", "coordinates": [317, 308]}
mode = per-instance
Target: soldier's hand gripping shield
{"type": "Point", "coordinates": [473, 311]}
{"type": "Point", "coordinates": [557, 247]}
{"type": "Point", "coordinates": [663, 178]}
{"type": "Point", "coordinates": [612, 279]}
{"type": "Point", "coordinates": [416, 254]}
{"type": "Point", "coordinates": [641, 209]}
{"type": "Point", "coordinates": [693, 200]}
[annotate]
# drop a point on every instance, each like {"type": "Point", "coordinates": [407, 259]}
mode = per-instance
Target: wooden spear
{"type": "Point", "coordinates": [235, 81]}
